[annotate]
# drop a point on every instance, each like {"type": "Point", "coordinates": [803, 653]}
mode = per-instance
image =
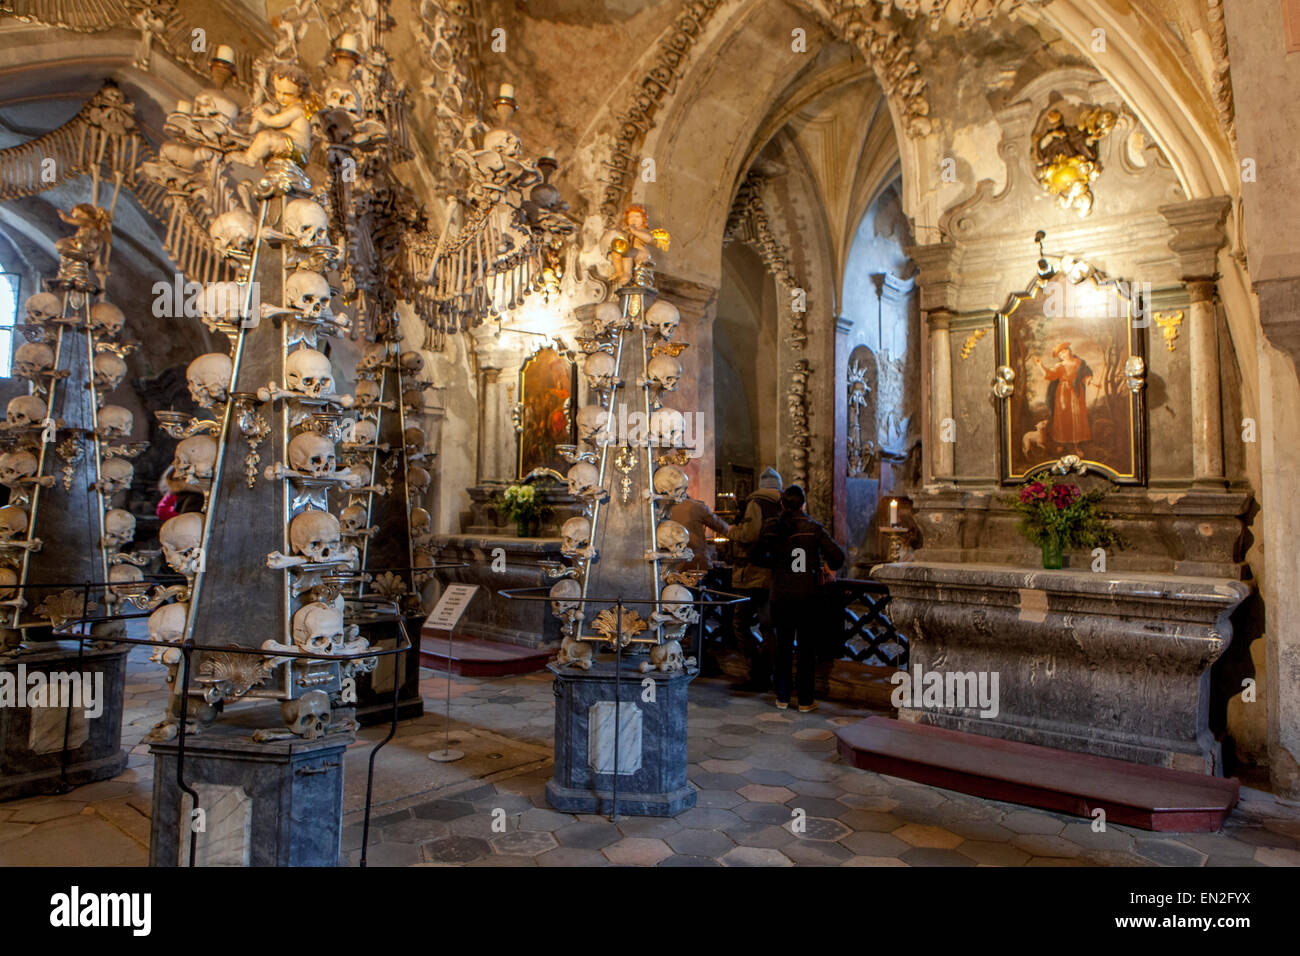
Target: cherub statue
{"type": "Point", "coordinates": [629, 250]}
{"type": "Point", "coordinates": [286, 133]}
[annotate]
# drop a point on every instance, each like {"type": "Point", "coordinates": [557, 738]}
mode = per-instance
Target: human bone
{"type": "Point", "coordinates": [119, 528]}
{"type": "Point", "coordinates": [13, 523]}
{"type": "Point", "coordinates": [664, 371]}
{"type": "Point", "coordinates": [115, 474]}
{"type": "Point", "coordinates": [106, 319]}
{"type": "Point", "coordinates": [308, 292]}
{"type": "Point", "coordinates": [418, 479]}
{"type": "Point", "coordinates": [593, 424]}
{"type": "Point", "coordinates": [413, 439]}
{"type": "Point", "coordinates": [367, 392]}
{"type": "Point", "coordinates": [315, 535]}
{"type": "Point", "coordinates": [565, 594]}
{"type": "Point", "coordinates": [167, 624]}
{"type": "Point", "coordinates": [412, 400]}
{"type": "Point", "coordinates": [308, 372]}
{"type": "Point", "coordinates": [317, 627]}
{"type": "Point", "coordinates": [8, 583]}
{"type": "Point", "coordinates": [667, 427]}
{"type": "Point", "coordinates": [677, 593]}
{"type": "Point", "coordinates": [583, 479]}
{"type": "Point", "coordinates": [116, 421]}
{"type": "Point", "coordinates": [306, 223]}
{"type": "Point", "coordinates": [343, 96]}
{"type": "Point", "coordinates": [194, 459]}
{"type": "Point", "coordinates": [365, 432]}
{"type": "Point", "coordinates": [608, 318]}
{"type": "Point", "coordinates": [575, 652]}
{"type": "Point", "coordinates": [372, 357]}
{"type": "Point", "coordinates": [311, 453]}
{"type": "Point", "coordinates": [352, 520]}
{"type": "Point", "coordinates": [108, 371]}
{"type": "Point", "coordinates": [600, 370]}
{"type": "Point", "coordinates": [420, 520]}
{"type": "Point", "coordinates": [25, 411]}
{"type": "Point", "coordinates": [576, 534]}
{"type": "Point", "coordinates": [411, 362]}
{"type": "Point", "coordinates": [670, 481]}
{"type": "Point", "coordinates": [182, 539]}
{"type": "Point", "coordinates": [222, 302]}
{"type": "Point", "coordinates": [307, 716]}
{"type": "Point", "coordinates": [233, 232]}
{"type": "Point", "coordinates": [673, 538]}
{"type": "Point", "coordinates": [124, 579]}
{"type": "Point", "coordinates": [208, 377]}
{"type": "Point", "coordinates": [42, 307]}
{"type": "Point", "coordinates": [663, 317]}
{"type": "Point", "coordinates": [32, 360]}
{"type": "Point", "coordinates": [666, 658]}
{"type": "Point", "coordinates": [15, 466]}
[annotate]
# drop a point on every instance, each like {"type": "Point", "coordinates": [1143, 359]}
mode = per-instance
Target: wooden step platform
{"type": "Point", "coordinates": [1152, 798]}
{"type": "Point", "coordinates": [478, 657]}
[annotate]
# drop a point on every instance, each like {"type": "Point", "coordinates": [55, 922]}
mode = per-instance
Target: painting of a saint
{"type": "Point", "coordinates": [547, 385]}
{"type": "Point", "coordinates": [1067, 349]}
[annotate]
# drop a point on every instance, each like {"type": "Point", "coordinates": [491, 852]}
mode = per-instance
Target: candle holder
{"type": "Point", "coordinates": [895, 537]}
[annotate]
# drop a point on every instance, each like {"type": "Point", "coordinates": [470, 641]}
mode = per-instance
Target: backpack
{"type": "Point", "coordinates": [758, 553]}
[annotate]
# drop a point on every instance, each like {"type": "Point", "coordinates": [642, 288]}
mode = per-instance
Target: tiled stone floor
{"type": "Point", "coordinates": [772, 792]}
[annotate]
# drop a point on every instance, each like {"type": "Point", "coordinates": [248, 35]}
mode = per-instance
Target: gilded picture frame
{"type": "Point", "coordinates": [544, 416]}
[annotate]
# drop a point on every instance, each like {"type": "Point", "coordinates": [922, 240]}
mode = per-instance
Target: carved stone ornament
{"type": "Point", "coordinates": [1066, 154]}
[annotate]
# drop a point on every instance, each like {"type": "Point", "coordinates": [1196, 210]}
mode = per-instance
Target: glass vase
{"type": "Point", "coordinates": [1052, 554]}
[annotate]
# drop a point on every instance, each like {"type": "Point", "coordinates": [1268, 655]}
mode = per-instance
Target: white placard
{"type": "Point", "coordinates": [451, 606]}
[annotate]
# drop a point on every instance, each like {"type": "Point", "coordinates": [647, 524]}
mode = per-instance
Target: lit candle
{"type": "Point", "coordinates": [347, 43]}
{"type": "Point", "coordinates": [893, 512]}
{"type": "Point", "coordinates": [507, 91]}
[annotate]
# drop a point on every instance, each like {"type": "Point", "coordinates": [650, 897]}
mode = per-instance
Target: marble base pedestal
{"type": "Point", "coordinates": [32, 757]}
{"type": "Point", "coordinates": [1113, 664]}
{"type": "Point", "coordinates": [271, 804]}
{"type": "Point", "coordinates": [375, 689]}
{"type": "Point", "coordinates": [518, 563]}
{"type": "Point", "coordinates": [652, 777]}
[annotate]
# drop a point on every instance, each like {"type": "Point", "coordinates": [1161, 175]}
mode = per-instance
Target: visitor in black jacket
{"type": "Point", "coordinates": [796, 548]}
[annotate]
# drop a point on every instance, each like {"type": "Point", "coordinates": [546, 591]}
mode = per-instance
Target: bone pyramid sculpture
{"type": "Point", "coordinates": [66, 448]}
{"type": "Point", "coordinates": [628, 472]}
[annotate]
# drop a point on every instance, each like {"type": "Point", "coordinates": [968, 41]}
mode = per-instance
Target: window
{"type": "Point", "coordinates": [8, 313]}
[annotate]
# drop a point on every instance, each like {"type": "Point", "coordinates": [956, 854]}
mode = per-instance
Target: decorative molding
{"type": "Point", "coordinates": [1169, 323]}
{"type": "Point", "coordinates": [969, 345]}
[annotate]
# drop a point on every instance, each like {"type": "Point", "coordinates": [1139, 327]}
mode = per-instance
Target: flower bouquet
{"type": "Point", "coordinates": [1057, 515]}
{"type": "Point", "coordinates": [522, 504]}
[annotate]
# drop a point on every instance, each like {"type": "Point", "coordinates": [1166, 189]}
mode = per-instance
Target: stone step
{"type": "Point", "coordinates": [1152, 798]}
{"type": "Point", "coordinates": [479, 657]}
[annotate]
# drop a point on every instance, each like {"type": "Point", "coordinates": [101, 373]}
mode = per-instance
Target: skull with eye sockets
{"type": "Point", "coordinates": [119, 529]}
{"type": "Point", "coordinates": [32, 360]}
{"type": "Point", "coordinates": [42, 307]}
{"type": "Point", "coordinates": [308, 292]}
{"type": "Point", "coordinates": [593, 424]}
{"type": "Point", "coordinates": [115, 422]}
{"type": "Point", "coordinates": [664, 372]}
{"type": "Point", "coordinates": [671, 482]}
{"type": "Point", "coordinates": [663, 317]}
{"type": "Point", "coordinates": [25, 411]}
{"type": "Point", "coordinates": [194, 460]}
{"type": "Point", "coordinates": [106, 319]}
{"type": "Point", "coordinates": [115, 475]}
{"type": "Point", "coordinates": [208, 377]}
{"type": "Point", "coordinates": [16, 467]}
{"type": "Point", "coordinates": [316, 536]}
{"type": "Point", "coordinates": [575, 535]}
{"type": "Point", "coordinates": [584, 480]}
{"type": "Point", "coordinates": [108, 371]}
{"type": "Point", "coordinates": [233, 233]}
{"type": "Point", "coordinates": [182, 541]}
{"type": "Point", "coordinates": [307, 223]}
{"type": "Point", "coordinates": [13, 523]}
{"type": "Point", "coordinates": [308, 372]}
{"type": "Point", "coordinates": [317, 628]}
{"type": "Point", "coordinates": [311, 453]}
{"type": "Point", "coordinates": [600, 370]}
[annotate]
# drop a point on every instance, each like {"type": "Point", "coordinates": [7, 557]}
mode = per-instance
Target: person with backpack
{"type": "Point", "coordinates": [754, 581]}
{"type": "Point", "coordinates": [797, 549]}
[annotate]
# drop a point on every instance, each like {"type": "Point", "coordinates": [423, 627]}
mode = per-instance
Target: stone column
{"type": "Point", "coordinates": [489, 442]}
{"type": "Point", "coordinates": [840, 452]}
{"type": "Point", "coordinates": [1198, 237]}
{"type": "Point", "coordinates": [938, 263]}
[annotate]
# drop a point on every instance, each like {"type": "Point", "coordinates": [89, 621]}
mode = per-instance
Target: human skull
{"type": "Point", "coordinates": [600, 370]}
{"type": "Point", "coordinates": [421, 521]}
{"type": "Point", "coordinates": [317, 627]}
{"type": "Point", "coordinates": [675, 593]}
{"type": "Point", "coordinates": [671, 482]}
{"type": "Point", "coordinates": [115, 474]}
{"type": "Point", "coordinates": [108, 371]}
{"type": "Point", "coordinates": [308, 292]}
{"type": "Point", "coordinates": [307, 223]}
{"type": "Point", "coordinates": [119, 528]}
{"type": "Point", "coordinates": [418, 479]}
{"type": "Point", "coordinates": [352, 520]}
{"type": "Point", "coordinates": [413, 439]}
{"type": "Point", "coordinates": [584, 480]}
{"type": "Point", "coordinates": [307, 716]}
{"type": "Point", "coordinates": [32, 360]}
{"type": "Point", "coordinates": [343, 96]}
{"type": "Point", "coordinates": [194, 459]}
{"type": "Point", "coordinates": [15, 466]}
{"type": "Point", "coordinates": [115, 421]}
{"type": "Point", "coordinates": [413, 401]}
{"type": "Point", "coordinates": [359, 472]}
{"type": "Point", "coordinates": [663, 317]}
{"type": "Point", "coordinates": [367, 392]}
{"type": "Point", "coordinates": [576, 534]}
{"type": "Point", "coordinates": [167, 623]}
{"type": "Point", "coordinates": [233, 232]}
{"type": "Point", "coordinates": [106, 319]}
{"type": "Point", "coordinates": [373, 356]}
{"type": "Point", "coordinates": [565, 595]}
{"type": "Point", "coordinates": [42, 307]}
{"type": "Point", "coordinates": [8, 583]}
{"type": "Point", "coordinates": [311, 453]}
{"type": "Point", "coordinates": [365, 432]}
{"type": "Point", "coordinates": [25, 411]}
{"type": "Point", "coordinates": [208, 377]}
{"type": "Point", "coordinates": [308, 372]}
{"type": "Point", "coordinates": [211, 105]}
{"type": "Point", "coordinates": [593, 424]}
{"type": "Point", "coordinates": [13, 523]}
{"type": "Point", "coordinates": [222, 302]}
{"type": "Point", "coordinates": [182, 538]}
{"type": "Point", "coordinates": [503, 141]}
{"type": "Point", "coordinates": [315, 535]}
{"type": "Point", "coordinates": [672, 537]}
{"type": "Point", "coordinates": [412, 362]}
{"type": "Point", "coordinates": [664, 372]}
{"type": "Point", "coordinates": [608, 319]}
{"type": "Point", "coordinates": [667, 427]}
{"type": "Point", "coordinates": [125, 580]}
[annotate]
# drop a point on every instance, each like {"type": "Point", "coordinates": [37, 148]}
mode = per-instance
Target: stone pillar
{"type": "Point", "coordinates": [840, 455]}
{"type": "Point", "coordinates": [490, 436]}
{"type": "Point", "coordinates": [938, 263]}
{"type": "Point", "coordinates": [1198, 236]}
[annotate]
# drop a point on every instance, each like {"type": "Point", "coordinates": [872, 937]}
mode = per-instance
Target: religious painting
{"type": "Point", "coordinates": [548, 387]}
{"type": "Point", "coordinates": [1070, 376]}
